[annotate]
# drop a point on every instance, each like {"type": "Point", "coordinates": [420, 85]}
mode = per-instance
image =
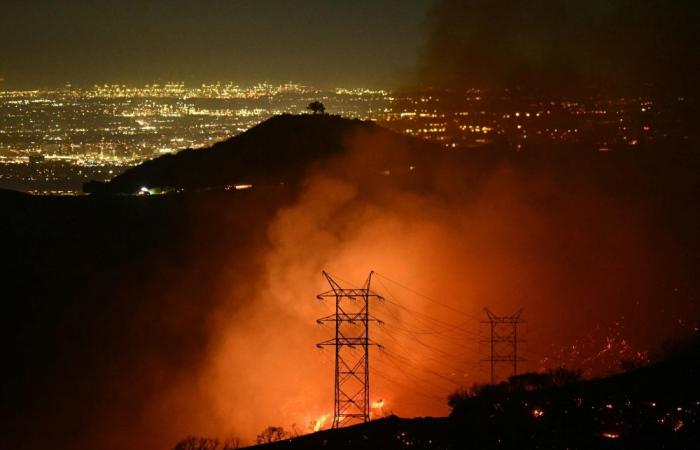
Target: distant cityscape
{"type": "Point", "coordinates": [52, 141]}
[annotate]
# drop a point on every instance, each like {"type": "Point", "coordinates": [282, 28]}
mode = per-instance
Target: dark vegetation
{"type": "Point", "coordinates": [199, 443]}
{"type": "Point", "coordinates": [271, 434]}
{"type": "Point", "coordinates": [647, 408]}
{"type": "Point", "coordinates": [525, 382]}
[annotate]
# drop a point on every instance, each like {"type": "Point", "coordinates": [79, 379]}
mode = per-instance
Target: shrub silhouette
{"type": "Point", "coordinates": [526, 382]}
{"type": "Point", "coordinates": [197, 443]}
{"type": "Point", "coordinates": [561, 376]}
{"type": "Point", "coordinates": [271, 434]}
{"type": "Point", "coordinates": [232, 444]}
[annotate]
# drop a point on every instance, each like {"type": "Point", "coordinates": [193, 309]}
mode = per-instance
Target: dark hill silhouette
{"type": "Point", "coordinates": [283, 149]}
{"type": "Point", "coordinates": [276, 150]}
{"type": "Point", "coordinates": [7, 194]}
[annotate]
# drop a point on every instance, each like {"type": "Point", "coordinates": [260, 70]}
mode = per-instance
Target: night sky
{"type": "Point", "coordinates": [46, 43]}
{"type": "Point", "coordinates": [549, 46]}
{"type": "Point", "coordinates": [625, 45]}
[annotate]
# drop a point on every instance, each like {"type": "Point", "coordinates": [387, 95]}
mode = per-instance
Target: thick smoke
{"type": "Point", "coordinates": [563, 45]}
{"type": "Point", "coordinates": [580, 259]}
{"type": "Point", "coordinates": [211, 331]}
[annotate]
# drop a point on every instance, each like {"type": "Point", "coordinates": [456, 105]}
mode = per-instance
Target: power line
{"type": "Point", "coordinates": [351, 391]}
{"type": "Point", "coordinates": [432, 300]}
{"type": "Point", "coordinates": [409, 362]}
{"type": "Point", "coordinates": [446, 362]}
{"type": "Point", "coordinates": [411, 389]}
{"type": "Point", "coordinates": [428, 333]}
{"type": "Point", "coordinates": [446, 326]}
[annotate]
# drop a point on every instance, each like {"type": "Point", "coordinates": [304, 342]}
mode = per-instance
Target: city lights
{"type": "Point", "coordinates": [51, 141]}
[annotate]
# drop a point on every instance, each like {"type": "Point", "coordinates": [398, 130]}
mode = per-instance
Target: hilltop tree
{"type": "Point", "coordinates": [316, 107]}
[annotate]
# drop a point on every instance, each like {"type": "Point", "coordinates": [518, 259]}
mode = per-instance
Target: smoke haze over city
{"type": "Point", "coordinates": [326, 44]}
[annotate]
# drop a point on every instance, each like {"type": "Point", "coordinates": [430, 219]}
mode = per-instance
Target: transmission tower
{"type": "Point", "coordinates": [351, 319]}
{"type": "Point", "coordinates": [504, 342]}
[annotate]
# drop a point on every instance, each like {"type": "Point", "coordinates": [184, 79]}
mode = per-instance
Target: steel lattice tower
{"type": "Point", "coordinates": [351, 319]}
{"type": "Point", "coordinates": [504, 342]}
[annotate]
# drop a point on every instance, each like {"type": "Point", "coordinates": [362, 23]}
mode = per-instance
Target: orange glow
{"type": "Point", "coordinates": [377, 409]}
{"type": "Point", "coordinates": [513, 238]}
{"type": "Point", "coordinates": [611, 435]}
{"type": "Point", "coordinates": [320, 422]}
{"type": "Point", "coordinates": [678, 426]}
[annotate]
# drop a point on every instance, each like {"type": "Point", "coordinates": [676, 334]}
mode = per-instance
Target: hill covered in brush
{"type": "Point", "coordinates": [649, 407]}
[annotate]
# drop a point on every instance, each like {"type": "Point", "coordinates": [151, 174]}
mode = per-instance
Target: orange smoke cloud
{"type": "Point", "coordinates": [567, 252]}
{"type": "Point", "coordinates": [221, 330]}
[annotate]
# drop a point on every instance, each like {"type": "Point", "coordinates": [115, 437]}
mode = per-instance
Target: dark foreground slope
{"type": "Point", "coordinates": [107, 302]}
{"type": "Point", "coordinates": [649, 408]}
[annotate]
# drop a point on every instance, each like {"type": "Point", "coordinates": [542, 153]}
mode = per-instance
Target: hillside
{"type": "Point", "coordinates": [285, 148]}
{"type": "Point", "coordinates": [651, 407]}
{"type": "Point", "coordinates": [276, 150]}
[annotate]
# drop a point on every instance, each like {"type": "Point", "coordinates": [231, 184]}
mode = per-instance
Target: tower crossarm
{"type": "Point", "coordinates": [350, 318]}
{"type": "Point", "coordinates": [349, 341]}
{"type": "Point", "coordinates": [357, 294]}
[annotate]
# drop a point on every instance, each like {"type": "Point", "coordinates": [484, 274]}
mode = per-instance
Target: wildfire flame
{"type": "Point", "coordinates": [320, 422]}
{"type": "Point", "coordinates": [599, 352]}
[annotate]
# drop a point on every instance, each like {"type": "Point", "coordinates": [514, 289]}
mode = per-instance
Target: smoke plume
{"type": "Point", "coordinates": [579, 258]}
{"type": "Point", "coordinates": [211, 331]}
{"type": "Point", "coordinates": [563, 45]}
